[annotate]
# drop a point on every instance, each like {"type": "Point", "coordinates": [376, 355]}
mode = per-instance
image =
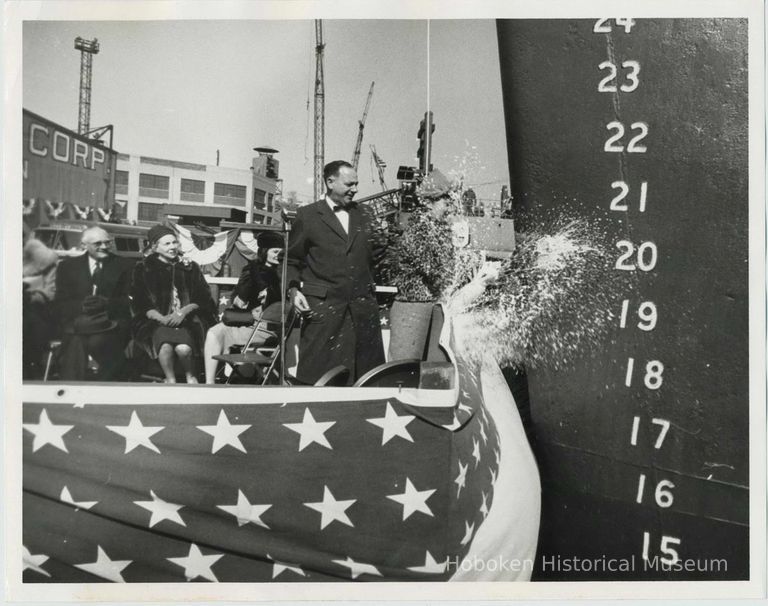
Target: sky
{"type": "Point", "coordinates": [182, 90]}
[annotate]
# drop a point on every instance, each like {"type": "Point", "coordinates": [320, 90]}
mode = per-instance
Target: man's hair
{"type": "Point", "coordinates": [88, 231]}
{"type": "Point", "coordinates": [332, 168]}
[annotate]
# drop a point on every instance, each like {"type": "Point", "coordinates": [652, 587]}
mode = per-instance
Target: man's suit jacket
{"type": "Point", "coordinates": [74, 283]}
{"type": "Point", "coordinates": [335, 271]}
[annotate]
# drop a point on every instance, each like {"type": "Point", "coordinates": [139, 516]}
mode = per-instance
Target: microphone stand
{"type": "Point", "coordinates": [284, 290]}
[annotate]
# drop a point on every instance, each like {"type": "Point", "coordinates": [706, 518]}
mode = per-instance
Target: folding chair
{"type": "Point", "coordinates": [264, 358]}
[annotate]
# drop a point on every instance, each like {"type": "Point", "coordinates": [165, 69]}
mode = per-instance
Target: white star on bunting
{"type": "Point", "coordinates": [463, 407]}
{"type": "Point", "coordinates": [461, 479]}
{"type": "Point", "coordinates": [46, 432]}
{"type": "Point", "coordinates": [244, 511]}
{"type": "Point", "coordinates": [161, 510]}
{"type": "Point", "coordinates": [136, 434]}
{"type": "Point", "coordinates": [498, 457]}
{"type": "Point", "coordinates": [104, 567]}
{"type": "Point", "coordinates": [493, 477]}
{"type": "Point", "coordinates": [195, 564]}
{"type": "Point", "coordinates": [357, 568]}
{"type": "Point", "coordinates": [393, 425]}
{"type": "Point", "coordinates": [280, 567]}
{"type": "Point", "coordinates": [331, 509]}
{"type": "Point", "coordinates": [469, 530]}
{"type": "Point", "coordinates": [34, 562]}
{"type": "Point", "coordinates": [413, 500]}
{"type": "Point", "coordinates": [431, 566]}
{"type": "Point", "coordinates": [311, 430]}
{"type": "Point", "coordinates": [224, 433]}
{"type": "Point", "coordinates": [476, 452]}
{"type": "Point", "coordinates": [484, 506]}
{"type": "Point", "coordinates": [66, 497]}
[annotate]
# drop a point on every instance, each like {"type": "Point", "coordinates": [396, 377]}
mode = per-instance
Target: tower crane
{"type": "Point", "coordinates": [87, 49]}
{"type": "Point", "coordinates": [359, 143]}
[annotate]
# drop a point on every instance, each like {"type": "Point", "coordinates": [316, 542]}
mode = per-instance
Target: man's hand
{"type": "Point", "coordinates": [298, 300]}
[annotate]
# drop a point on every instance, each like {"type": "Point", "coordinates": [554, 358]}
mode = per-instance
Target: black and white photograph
{"type": "Point", "coordinates": [301, 297]}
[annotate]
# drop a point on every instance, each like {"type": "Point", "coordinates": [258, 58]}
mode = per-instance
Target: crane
{"type": "Point", "coordinates": [359, 143]}
{"type": "Point", "coordinates": [319, 110]}
{"type": "Point", "coordinates": [87, 49]}
{"type": "Point", "coordinates": [380, 166]}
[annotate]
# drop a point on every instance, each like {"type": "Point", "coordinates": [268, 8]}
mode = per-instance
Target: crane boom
{"type": "Point", "coordinates": [359, 143]}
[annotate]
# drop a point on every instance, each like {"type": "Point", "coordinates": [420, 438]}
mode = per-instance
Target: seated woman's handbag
{"type": "Point", "coordinates": [234, 316]}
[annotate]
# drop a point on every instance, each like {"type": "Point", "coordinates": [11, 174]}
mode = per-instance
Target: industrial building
{"type": "Point", "coordinates": [151, 189]}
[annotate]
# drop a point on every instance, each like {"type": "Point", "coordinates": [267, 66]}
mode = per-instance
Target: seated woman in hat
{"type": "Point", "coordinates": [172, 305]}
{"type": "Point", "coordinates": [258, 290]}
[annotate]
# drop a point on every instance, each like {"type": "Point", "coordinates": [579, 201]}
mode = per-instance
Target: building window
{"type": "Point", "coordinates": [192, 190]}
{"type": "Point", "coordinates": [148, 211]}
{"type": "Point", "coordinates": [224, 193]}
{"type": "Point", "coordinates": [259, 199]}
{"type": "Point", "coordinates": [121, 182]}
{"type": "Point", "coordinates": [153, 186]}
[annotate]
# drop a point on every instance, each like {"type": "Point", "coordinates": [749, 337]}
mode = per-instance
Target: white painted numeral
{"type": "Point", "coordinates": [630, 370]}
{"type": "Point", "coordinates": [654, 374]}
{"type": "Point", "coordinates": [612, 143]}
{"type": "Point", "coordinates": [663, 495]}
{"type": "Point", "coordinates": [648, 316]}
{"type": "Point", "coordinates": [603, 26]}
{"type": "Point", "coordinates": [634, 146]}
{"type": "Point", "coordinates": [647, 256]}
{"type": "Point", "coordinates": [624, 310]}
{"type": "Point", "coordinates": [647, 313]}
{"type": "Point", "coordinates": [607, 84]}
{"type": "Point", "coordinates": [626, 22]}
{"type": "Point", "coordinates": [664, 423]}
{"type": "Point", "coordinates": [640, 488]}
{"type": "Point", "coordinates": [665, 547]}
{"type": "Point", "coordinates": [663, 433]}
{"type": "Point", "coordinates": [616, 203]}
{"type": "Point", "coordinates": [643, 195]}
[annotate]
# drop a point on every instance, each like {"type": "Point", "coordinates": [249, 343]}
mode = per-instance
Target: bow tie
{"type": "Point", "coordinates": [339, 207]}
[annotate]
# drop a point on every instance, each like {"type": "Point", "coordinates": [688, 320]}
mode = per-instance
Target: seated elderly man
{"type": "Point", "coordinates": [258, 290]}
{"type": "Point", "coordinates": [93, 309]}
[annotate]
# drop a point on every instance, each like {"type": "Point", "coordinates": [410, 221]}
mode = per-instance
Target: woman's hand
{"type": "Point", "coordinates": [175, 318]}
{"type": "Point", "coordinates": [489, 273]}
{"type": "Point", "coordinates": [155, 315]}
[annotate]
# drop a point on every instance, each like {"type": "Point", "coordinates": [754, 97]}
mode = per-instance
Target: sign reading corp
{"type": "Point", "coordinates": [62, 166]}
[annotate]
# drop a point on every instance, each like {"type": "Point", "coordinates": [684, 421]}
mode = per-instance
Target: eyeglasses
{"type": "Point", "coordinates": [100, 243]}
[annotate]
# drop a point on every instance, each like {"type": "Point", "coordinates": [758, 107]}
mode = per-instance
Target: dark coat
{"type": "Point", "coordinates": [152, 288]}
{"type": "Point", "coordinates": [335, 273]}
{"type": "Point", "coordinates": [74, 284]}
{"type": "Point", "coordinates": [255, 278]}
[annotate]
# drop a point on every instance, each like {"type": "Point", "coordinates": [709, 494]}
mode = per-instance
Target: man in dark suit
{"type": "Point", "coordinates": [93, 309]}
{"type": "Point", "coordinates": [330, 278]}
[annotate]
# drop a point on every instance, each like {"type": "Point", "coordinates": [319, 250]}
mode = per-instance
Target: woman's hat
{"type": "Point", "coordinates": [158, 231]}
{"type": "Point", "coordinates": [270, 239]}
